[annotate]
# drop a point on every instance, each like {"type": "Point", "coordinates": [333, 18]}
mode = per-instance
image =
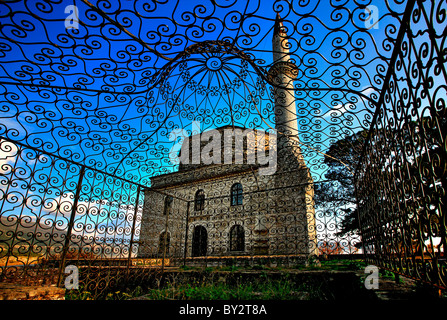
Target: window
{"type": "Point", "coordinates": [236, 194]}
{"type": "Point", "coordinates": [199, 201]}
{"type": "Point", "coordinates": [168, 205]}
{"type": "Point", "coordinates": [164, 243]}
{"type": "Point", "coordinates": [237, 238]}
{"type": "Point", "coordinates": [199, 241]}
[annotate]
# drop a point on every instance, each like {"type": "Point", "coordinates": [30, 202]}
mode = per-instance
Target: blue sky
{"type": "Point", "coordinates": [330, 45]}
{"type": "Point", "coordinates": [107, 125]}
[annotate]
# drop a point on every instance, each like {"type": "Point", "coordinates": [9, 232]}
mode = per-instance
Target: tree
{"type": "Point", "coordinates": [337, 193]}
{"type": "Point", "coordinates": [408, 159]}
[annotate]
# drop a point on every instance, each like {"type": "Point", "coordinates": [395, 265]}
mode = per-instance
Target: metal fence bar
{"type": "Point", "coordinates": [129, 258]}
{"type": "Point", "coordinates": [70, 226]}
{"type": "Point", "coordinates": [52, 155]}
{"type": "Point", "coordinates": [188, 204]}
{"type": "Point", "coordinates": [402, 214]}
{"type": "Point", "coordinates": [405, 23]}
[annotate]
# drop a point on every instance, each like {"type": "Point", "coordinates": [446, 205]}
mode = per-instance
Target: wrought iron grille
{"type": "Point", "coordinates": [403, 212]}
{"type": "Point", "coordinates": [92, 91]}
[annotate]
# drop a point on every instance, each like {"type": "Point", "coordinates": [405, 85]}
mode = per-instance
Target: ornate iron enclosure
{"type": "Point", "coordinates": [95, 96]}
{"type": "Point", "coordinates": [400, 178]}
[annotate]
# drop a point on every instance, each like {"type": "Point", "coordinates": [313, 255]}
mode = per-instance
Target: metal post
{"type": "Point", "coordinates": [357, 203]}
{"type": "Point", "coordinates": [186, 233]}
{"type": "Point", "coordinates": [166, 209]}
{"type": "Point", "coordinates": [133, 230]}
{"type": "Point", "coordinates": [70, 225]}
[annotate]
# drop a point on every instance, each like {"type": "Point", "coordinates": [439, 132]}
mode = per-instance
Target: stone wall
{"type": "Point", "coordinates": [278, 218]}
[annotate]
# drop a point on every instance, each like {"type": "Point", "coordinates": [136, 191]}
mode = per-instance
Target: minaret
{"type": "Point", "coordinates": [282, 74]}
{"type": "Point", "coordinates": [296, 204]}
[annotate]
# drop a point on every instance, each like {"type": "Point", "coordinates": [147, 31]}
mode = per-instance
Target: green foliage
{"type": "Point", "coordinates": [81, 294]}
{"type": "Point", "coordinates": [78, 294]}
{"type": "Point", "coordinates": [229, 268]}
{"type": "Point", "coordinates": [281, 290]}
{"type": "Point", "coordinates": [233, 286]}
{"type": "Point", "coordinates": [387, 274]}
{"type": "Point", "coordinates": [208, 269]}
{"type": "Point", "coordinates": [336, 265]}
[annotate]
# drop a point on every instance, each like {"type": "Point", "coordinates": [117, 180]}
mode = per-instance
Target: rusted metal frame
{"type": "Point", "coordinates": [413, 98]}
{"type": "Point", "coordinates": [360, 228]}
{"type": "Point", "coordinates": [420, 68]}
{"type": "Point", "coordinates": [431, 34]}
{"type": "Point", "coordinates": [70, 225]}
{"type": "Point", "coordinates": [38, 216]}
{"type": "Point", "coordinates": [58, 213]}
{"type": "Point", "coordinates": [119, 26]}
{"type": "Point", "coordinates": [396, 272]}
{"type": "Point", "coordinates": [186, 232]}
{"type": "Point", "coordinates": [390, 72]}
{"type": "Point", "coordinates": [71, 161]}
{"type": "Point", "coordinates": [158, 81]}
{"type": "Point", "coordinates": [10, 251]}
{"type": "Point", "coordinates": [119, 205]}
{"type": "Point", "coordinates": [84, 224]}
{"type": "Point", "coordinates": [104, 243]}
{"type": "Point", "coordinates": [167, 210]}
{"type": "Point", "coordinates": [411, 47]}
{"type": "Point", "coordinates": [405, 23]}
{"type": "Point", "coordinates": [398, 172]}
{"type": "Point", "coordinates": [440, 58]}
{"type": "Point", "coordinates": [99, 209]}
{"type": "Point", "coordinates": [1, 210]}
{"type": "Point", "coordinates": [132, 233]}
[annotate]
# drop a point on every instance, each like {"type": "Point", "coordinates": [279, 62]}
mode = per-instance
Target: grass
{"type": "Point", "coordinates": [264, 290]}
{"type": "Point", "coordinates": [217, 289]}
{"type": "Point", "coordinates": [230, 286]}
{"type": "Point", "coordinates": [336, 265]}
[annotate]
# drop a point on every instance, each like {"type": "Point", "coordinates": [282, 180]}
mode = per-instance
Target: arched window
{"type": "Point", "coordinates": [164, 243]}
{"type": "Point", "coordinates": [199, 201]}
{"type": "Point", "coordinates": [236, 194]}
{"type": "Point", "coordinates": [237, 238]}
{"type": "Point", "coordinates": [199, 241]}
{"type": "Point", "coordinates": [168, 205]}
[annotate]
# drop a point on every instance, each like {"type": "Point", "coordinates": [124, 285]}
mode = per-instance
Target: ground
{"type": "Point", "coordinates": [327, 280]}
